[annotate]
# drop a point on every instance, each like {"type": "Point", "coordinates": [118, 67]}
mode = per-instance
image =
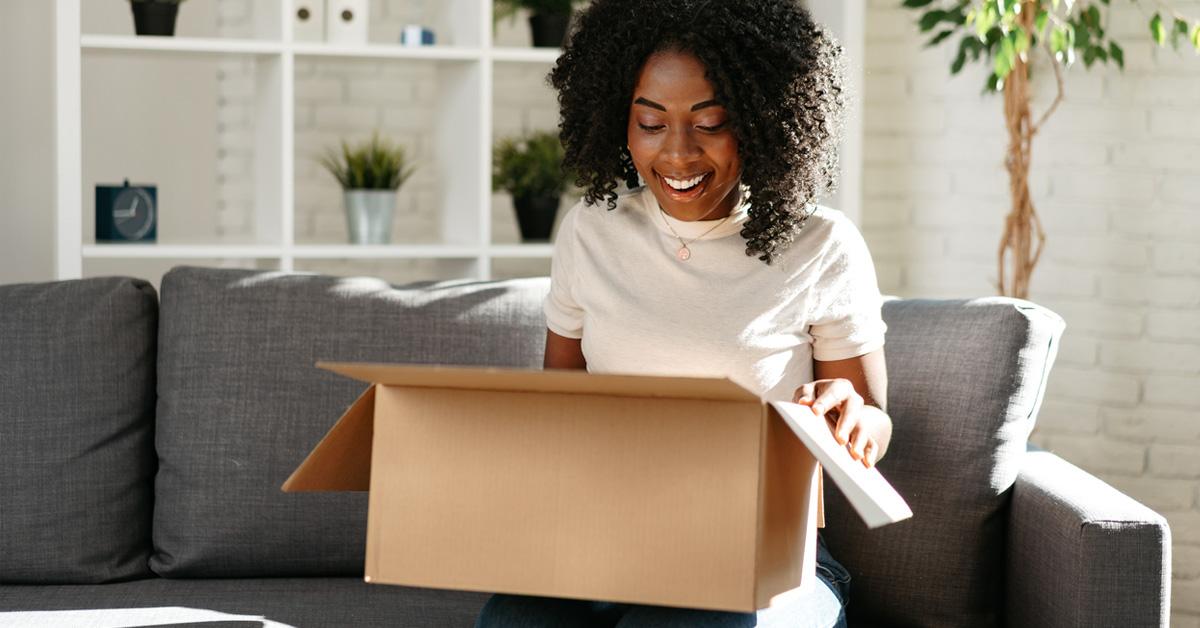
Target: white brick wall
{"type": "Point", "coordinates": [1116, 180]}
{"type": "Point", "coordinates": [338, 99]}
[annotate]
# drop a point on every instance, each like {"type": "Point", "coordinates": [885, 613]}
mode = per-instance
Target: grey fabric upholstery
{"type": "Point", "coordinates": [300, 602]}
{"type": "Point", "coordinates": [1081, 553]}
{"type": "Point", "coordinates": [241, 403]}
{"type": "Point", "coordinates": [965, 380]}
{"type": "Point", "coordinates": [76, 429]}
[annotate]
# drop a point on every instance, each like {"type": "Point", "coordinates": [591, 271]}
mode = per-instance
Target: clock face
{"type": "Point", "coordinates": [133, 213]}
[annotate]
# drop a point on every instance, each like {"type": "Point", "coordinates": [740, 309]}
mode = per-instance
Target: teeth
{"type": "Point", "coordinates": [683, 185]}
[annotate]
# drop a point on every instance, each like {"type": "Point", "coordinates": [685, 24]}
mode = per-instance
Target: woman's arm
{"type": "Point", "coordinates": [854, 393]}
{"type": "Point", "coordinates": [563, 353]}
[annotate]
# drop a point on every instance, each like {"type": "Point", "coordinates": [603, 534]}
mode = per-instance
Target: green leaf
{"type": "Point", "coordinates": [916, 4]}
{"type": "Point", "coordinates": [1040, 21]}
{"type": "Point", "coordinates": [993, 83]}
{"type": "Point", "coordinates": [1005, 59]}
{"type": "Point", "coordinates": [1117, 54]}
{"type": "Point", "coordinates": [939, 38]}
{"type": "Point", "coordinates": [931, 19]}
{"type": "Point", "coordinates": [1180, 32]}
{"type": "Point", "coordinates": [1157, 30]}
{"type": "Point", "coordinates": [1020, 39]}
{"type": "Point", "coordinates": [961, 58]}
{"type": "Point", "coordinates": [985, 20]}
{"type": "Point", "coordinates": [1196, 37]}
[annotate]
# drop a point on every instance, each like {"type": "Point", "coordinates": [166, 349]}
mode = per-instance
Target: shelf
{"type": "Point", "coordinates": [129, 43]}
{"type": "Point", "coordinates": [387, 51]}
{"type": "Point", "coordinates": [526, 55]}
{"type": "Point", "coordinates": [315, 251]}
{"type": "Point", "coordinates": [376, 251]}
{"type": "Point", "coordinates": [182, 251]}
{"type": "Point", "coordinates": [533, 249]}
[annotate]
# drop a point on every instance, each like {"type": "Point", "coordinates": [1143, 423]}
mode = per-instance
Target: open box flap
{"type": "Point", "coordinates": [549, 380]}
{"type": "Point", "coordinates": [342, 460]}
{"type": "Point", "coordinates": [871, 495]}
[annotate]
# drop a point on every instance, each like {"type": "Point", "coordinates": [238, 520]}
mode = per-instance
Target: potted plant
{"type": "Point", "coordinates": [154, 17]}
{"type": "Point", "coordinates": [530, 168]}
{"type": "Point", "coordinates": [370, 173]}
{"type": "Point", "coordinates": [1005, 36]}
{"type": "Point", "coordinates": [548, 19]}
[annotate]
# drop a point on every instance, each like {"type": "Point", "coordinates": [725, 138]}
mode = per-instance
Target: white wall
{"type": "Point", "coordinates": [1116, 180]}
{"type": "Point", "coordinates": [26, 141]}
{"type": "Point", "coordinates": [152, 120]}
{"type": "Point", "coordinates": [845, 18]}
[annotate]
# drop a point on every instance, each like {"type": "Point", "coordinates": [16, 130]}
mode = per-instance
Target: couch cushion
{"type": "Point", "coordinates": [965, 380]}
{"type": "Point", "coordinates": [76, 429]}
{"type": "Point", "coordinates": [269, 602]}
{"type": "Point", "coordinates": [241, 404]}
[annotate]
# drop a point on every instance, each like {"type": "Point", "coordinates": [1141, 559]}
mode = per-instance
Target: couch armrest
{"type": "Point", "coordinates": [1081, 553]}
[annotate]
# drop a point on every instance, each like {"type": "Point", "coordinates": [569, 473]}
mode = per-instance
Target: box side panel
{"type": "Point", "coordinates": [342, 460]}
{"type": "Point", "coordinates": [383, 437]}
{"type": "Point", "coordinates": [549, 380]}
{"type": "Point", "coordinates": [787, 550]}
{"type": "Point", "coordinates": [581, 496]}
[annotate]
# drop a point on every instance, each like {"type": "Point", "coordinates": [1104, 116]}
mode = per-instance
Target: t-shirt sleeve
{"type": "Point", "coordinates": [564, 316]}
{"type": "Point", "coordinates": [849, 322]}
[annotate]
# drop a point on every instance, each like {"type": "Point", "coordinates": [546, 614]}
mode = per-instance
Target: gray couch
{"type": "Point", "coordinates": [143, 442]}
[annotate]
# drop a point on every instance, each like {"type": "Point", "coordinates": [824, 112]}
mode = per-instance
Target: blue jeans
{"type": "Point", "coordinates": [817, 607]}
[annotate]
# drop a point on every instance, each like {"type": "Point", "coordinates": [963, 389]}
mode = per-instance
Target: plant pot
{"type": "Point", "coordinates": [535, 216]}
{"type": "Point", "coordinates": [369, 215]}
{"type": "Point", "coordinates": [549, 29]}
{"type": "Point", "coordinates": [154, 18]}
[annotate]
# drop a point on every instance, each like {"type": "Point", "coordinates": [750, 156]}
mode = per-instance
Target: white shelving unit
{"type": "Point", "coordinates": [463, 138]}
{"type": "Point", "coordinates": [460, 143]}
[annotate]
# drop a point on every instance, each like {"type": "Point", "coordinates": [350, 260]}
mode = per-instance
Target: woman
{"type": "Point", "coordinates": [722, 118]}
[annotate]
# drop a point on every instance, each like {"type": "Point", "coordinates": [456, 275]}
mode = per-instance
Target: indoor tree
{"type": "Point", "coordinates": [1003, 34]}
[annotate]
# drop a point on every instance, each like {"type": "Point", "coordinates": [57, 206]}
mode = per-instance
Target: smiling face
{"type": "Point", "coordinates": [678, 133]}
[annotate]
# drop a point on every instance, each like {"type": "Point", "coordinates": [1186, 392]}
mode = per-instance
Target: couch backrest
{"type": "Point", "coordinates": [76, 429]}
{"type": "Point", "coordinates": [965, 380]}
{"type": "Point", "coordinates": [240, 403]}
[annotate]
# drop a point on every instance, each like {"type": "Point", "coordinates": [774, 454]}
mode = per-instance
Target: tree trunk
{"type": "Point", "coordinates": [1018, 254]}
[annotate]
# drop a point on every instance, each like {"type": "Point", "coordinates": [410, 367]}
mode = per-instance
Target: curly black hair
{"type": "Point", "coordinates": [778, 73]}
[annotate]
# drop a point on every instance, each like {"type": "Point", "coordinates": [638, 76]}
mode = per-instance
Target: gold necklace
{"type": "Point", "coordinates": [684, 253]}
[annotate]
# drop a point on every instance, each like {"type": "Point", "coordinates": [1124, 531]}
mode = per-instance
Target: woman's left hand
{"type": "Point", "coordinates": [843, 409]}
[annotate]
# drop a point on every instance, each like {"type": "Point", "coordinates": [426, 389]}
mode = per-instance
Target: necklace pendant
{"type": "Point", "coordinates": [684, 253]}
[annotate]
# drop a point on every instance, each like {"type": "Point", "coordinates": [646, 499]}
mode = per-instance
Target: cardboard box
{"type": "Point", "coordinates": [674, 491]}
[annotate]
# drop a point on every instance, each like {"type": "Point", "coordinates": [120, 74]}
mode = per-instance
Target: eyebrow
{"type": "Point", "coordinates": [695, 107]}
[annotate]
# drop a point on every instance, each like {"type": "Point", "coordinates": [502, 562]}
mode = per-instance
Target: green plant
{"type": "Point", "coordinates": [530, 165]}
{"type": "Point", "coordinates": [372, 165]}
{"type": "Point", "coordinates": [1003, 34]}
{"type": "Point", "coordinates": [508, 8]}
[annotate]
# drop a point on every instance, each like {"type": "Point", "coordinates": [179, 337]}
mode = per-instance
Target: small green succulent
{"type": "Point", "coordinates": [530, 165]}
{"type": "Point", "coordinates": [373, 165]}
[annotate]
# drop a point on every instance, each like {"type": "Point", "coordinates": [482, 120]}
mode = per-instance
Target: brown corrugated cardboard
{"type": "Point", "coordinates": [677, 491]}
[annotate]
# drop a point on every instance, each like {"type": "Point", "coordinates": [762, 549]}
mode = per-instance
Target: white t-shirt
{"type": "Point", "coordinates": [615, 282]}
